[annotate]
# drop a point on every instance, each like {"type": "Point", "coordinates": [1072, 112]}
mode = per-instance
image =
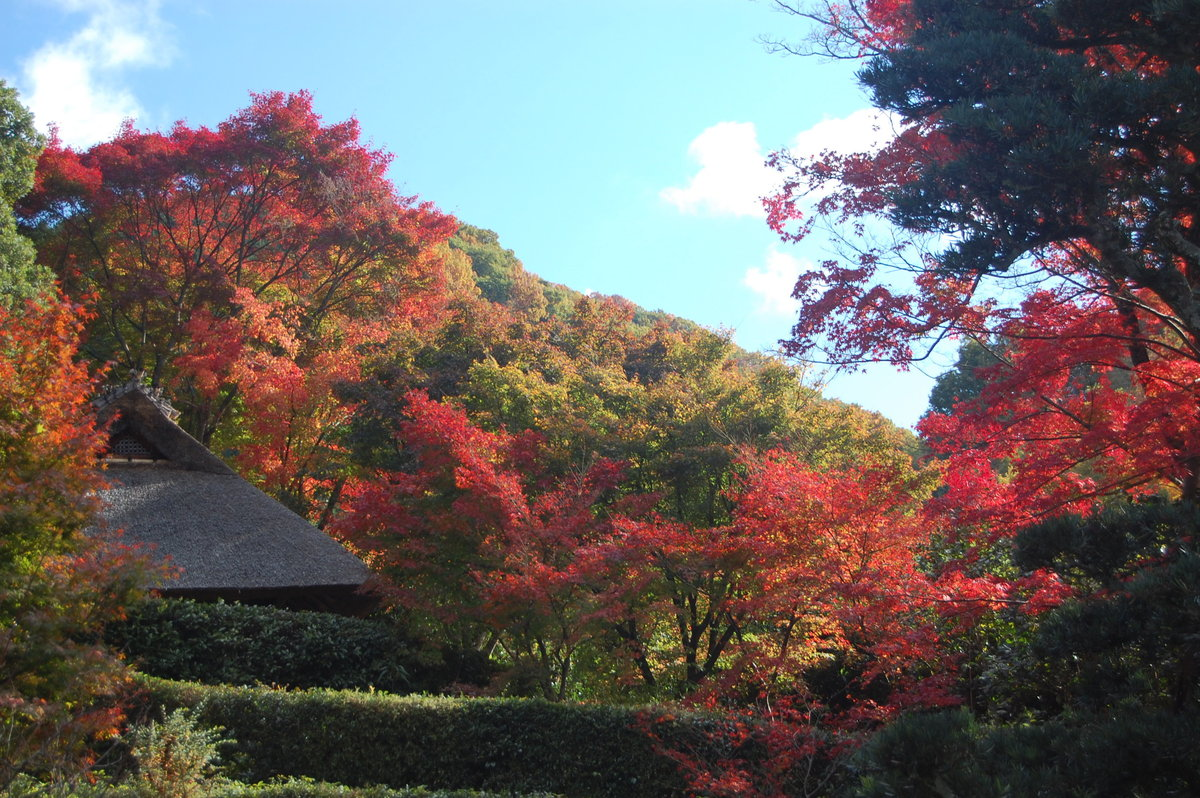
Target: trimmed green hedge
{"type": "Point", "coordinates": [314, 789]}
{"type": "Point", "coordinates": [289, 788]}
{"type": "Point", "coordinates": [520, 745]}
{"type": "Point", "coordinates": [218, 643]}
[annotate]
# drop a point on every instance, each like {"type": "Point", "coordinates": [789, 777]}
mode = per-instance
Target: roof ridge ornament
{"type": "Point", "coordinates": [136, 382]}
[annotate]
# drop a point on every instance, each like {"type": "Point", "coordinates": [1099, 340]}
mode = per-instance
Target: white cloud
{"type": "Point", "coordinates": [865, 130]}
{"type": "Point", "coordinates": [75, 84]}
{"type": "Point", "coordinates": [774, 282]}
{"type": "Point", "coordinates": [732, 177]}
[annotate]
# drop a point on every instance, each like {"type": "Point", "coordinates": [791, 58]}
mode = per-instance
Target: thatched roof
{"type": "Point", "coordinates": [229, 538]}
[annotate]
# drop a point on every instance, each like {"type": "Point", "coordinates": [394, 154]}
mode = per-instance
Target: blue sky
{"type": "Point", "coordinates": [615, 145]}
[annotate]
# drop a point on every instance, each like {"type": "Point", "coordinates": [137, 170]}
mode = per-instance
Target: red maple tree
{"type": "Point", "coordinates": [477, 539]}
{"type": "Point", "coordinates": [219, 255]}
{"type": "Point", "coordinates": [1046, 183]}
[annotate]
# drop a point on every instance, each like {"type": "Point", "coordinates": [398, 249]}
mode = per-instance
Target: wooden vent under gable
{"type": "Point", "coordinates": [128, 446]}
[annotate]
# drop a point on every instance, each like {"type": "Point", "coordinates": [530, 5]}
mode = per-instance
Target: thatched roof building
{"type": "Point", "coordinates": [227, 538]}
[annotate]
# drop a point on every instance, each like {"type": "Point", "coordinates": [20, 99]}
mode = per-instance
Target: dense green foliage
{"type": "Point", "coordinates": [1073, 128]}
{"type": "Point", "coordinates": [1127, 752]}
{"type": "Point", "coordinates": [964, 382]}
{"type": "Point", "coordinates": [495, 744]}
{"type": "Point", "coordinates": [1132, 637]}
{"type": "Point", "coordinates": [243, 644]}
{"type": "Point", "coordinates": [20, 276]}
{"type": "Point", "coordinates": [176, 757]}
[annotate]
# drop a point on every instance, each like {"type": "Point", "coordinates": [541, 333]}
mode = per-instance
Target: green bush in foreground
{"type": "Point", "coordinates": [175, 758]}
{"type": "Point", "coordinates": [223, 643]}
{"type": "Point", "coordinates": [525, 746]}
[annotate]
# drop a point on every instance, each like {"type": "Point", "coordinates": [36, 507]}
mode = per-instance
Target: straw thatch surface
{"type": "Point", "coordinates": [225, 537]}
{"type": "Point", "coordinates": [223, 532]}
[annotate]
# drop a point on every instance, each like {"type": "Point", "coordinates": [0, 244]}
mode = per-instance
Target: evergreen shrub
{"type": "Point", "coordinates": [1131, 751]}
{"type": "Point", "coordinates": [219, 643]}
{"type": "Point", "coordinates": [519, 745]}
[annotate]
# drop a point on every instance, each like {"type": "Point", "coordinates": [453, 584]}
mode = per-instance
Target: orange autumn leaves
{"type": "Point", "coordinates": [57, 586]}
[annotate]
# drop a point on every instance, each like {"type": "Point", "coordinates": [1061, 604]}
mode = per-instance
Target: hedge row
{"type": "Point", "coordinates": [519, 745]}
{"type": "Point", "coordinates": [218, 643]}
{"type": "Point", "coordinates": [312, 789]}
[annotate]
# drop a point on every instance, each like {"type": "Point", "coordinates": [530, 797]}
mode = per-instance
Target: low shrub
{"type": "Point", "coordinates": [175, 758]}
{"type": "Point", "coordinates": [219, 643]}
{"type": "Point", "coordinates": [520, 745]}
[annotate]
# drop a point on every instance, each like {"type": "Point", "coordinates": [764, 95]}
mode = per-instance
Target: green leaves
{"type": "Point", "coordinates": [243, 644]}
{"type": "Point", "coordinates": [493, 744]}
{"type": "Point", "coordinates": [20, 277]}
